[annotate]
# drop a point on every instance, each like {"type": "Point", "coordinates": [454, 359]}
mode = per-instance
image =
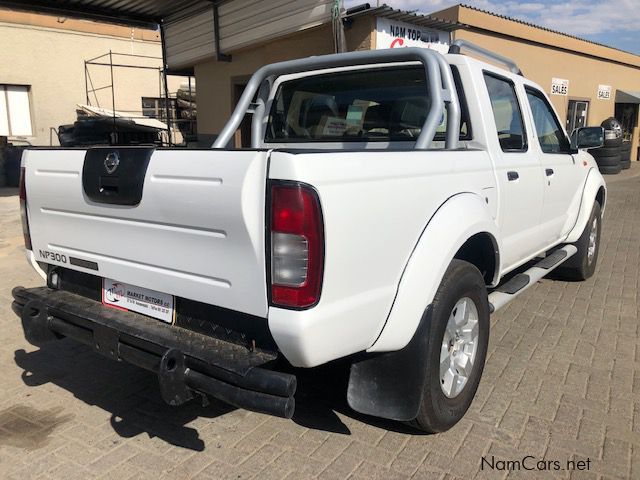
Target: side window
{"type": "Point", "coordinates": [550, 135]}
{"type": "Point", "coordinates": [507, 113]}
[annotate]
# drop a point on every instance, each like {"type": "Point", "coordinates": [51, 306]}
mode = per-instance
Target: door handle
{"type": "Point", "coordinates": [549, 172]}
{"type": "Point", "coordinates": [513, 176]}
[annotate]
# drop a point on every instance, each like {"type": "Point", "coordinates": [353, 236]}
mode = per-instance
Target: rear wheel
{"type": "Point", "coordinates": [583, 264]}
{"type": "Point", "coordinates": [457, 348]}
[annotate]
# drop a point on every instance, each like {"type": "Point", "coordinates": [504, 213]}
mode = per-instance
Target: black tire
{"type": "Point", "coordinates": [612, 142]}
{"type": "Point", "coordinates": [605, 151]}
{"type": "Point", "coordinates": [580, 267]}
{"type": "Point", "coordinates": [607, 160]}
{"type": "Point", "coordinates": [610, 170]}
{"type": "Point", "coordinates": [13, 156]}
{"type": "Point", "coordinates": [609, 164]}
{"type": "Point", "coordinates": [438, 412]}
{"type": "Point", "coordinates": [625, 155]}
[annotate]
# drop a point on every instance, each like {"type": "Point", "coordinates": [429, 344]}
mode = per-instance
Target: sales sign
{"type": "Point", "coordinates": [559, 86]}
{"type": "Point", "coordinates": [392, 34]}
{"type": "Point", "coordinates": [604, 92]}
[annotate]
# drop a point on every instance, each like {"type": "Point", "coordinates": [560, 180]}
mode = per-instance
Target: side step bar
{"type": "Point", "coordinates": [503, 294]}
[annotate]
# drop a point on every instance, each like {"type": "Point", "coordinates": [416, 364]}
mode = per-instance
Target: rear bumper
{"type": "Point", "coordinates": [186, 362]}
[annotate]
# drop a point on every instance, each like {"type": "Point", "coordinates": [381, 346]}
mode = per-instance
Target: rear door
{"type": "Point", "coordinates": [187, 223]}
{"type": "Point", "coordinates": [561, 175]}
{"type": "Point", "coordinates": [517, 170]}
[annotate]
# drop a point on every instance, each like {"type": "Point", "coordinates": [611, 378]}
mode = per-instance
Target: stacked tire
{"type": "Point", "coordinates": [608, 157]}
{"type": "Point", "coordinates": [13, 157]}
{"type": "Point", "coordinates": [625, 155]}
{"type": "Point", "coordinates": [3, 178]}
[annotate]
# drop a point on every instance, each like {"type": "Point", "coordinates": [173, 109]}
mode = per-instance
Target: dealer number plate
{"type": "Point", "coordinates": [138, 299]}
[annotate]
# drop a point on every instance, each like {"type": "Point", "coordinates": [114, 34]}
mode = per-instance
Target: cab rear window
{"type": "Point", "coordinates": [380, 105]}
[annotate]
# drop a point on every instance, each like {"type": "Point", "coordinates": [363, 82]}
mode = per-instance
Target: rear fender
{"type": "Point", "coordinates": [457, 220]}
{"type": "Point", "coordinates": [592, 186]}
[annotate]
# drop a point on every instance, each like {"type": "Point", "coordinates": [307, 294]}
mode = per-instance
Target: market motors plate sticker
{"type": "Point", "coordinates": [138, 299]}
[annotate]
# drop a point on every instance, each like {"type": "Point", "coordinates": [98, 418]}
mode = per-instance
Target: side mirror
{"type": "Point", "coordinates": [587, 137]}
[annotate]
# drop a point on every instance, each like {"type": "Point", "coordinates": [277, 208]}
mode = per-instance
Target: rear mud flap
{"type": "Point", "coordinates": [390, 385]}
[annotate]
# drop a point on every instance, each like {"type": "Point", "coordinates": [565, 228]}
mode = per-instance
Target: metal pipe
{"type": "Point", "coordinates": [124, 65]}
{"type": "Point", "coordinates": [257, 123]}
{"type": "Point", "coordinates": [96, 58]}
{"type": "Point", "coordinates": [152, 57]}
{"type": "Point", "coordinates": [238, 397]}
{"type": "Point", "coordinates": [165, 67]}
{"type": "Point", "coordinates": [458, 44]}
{"type": "Point", "coordinates": [452, 105]}
{"type": "Point", "coordinates": [429, 59]}
{"type": "Point", "coordinates": [113, 98]}
{"type": "Point", "coordinates": [86, 83]}
{"type": "Point", "coordinates": [221, 57]}
{"type": "Point", "coordinates": [67, 329]}
{"type": "Point", "coordinates": [258, 379]}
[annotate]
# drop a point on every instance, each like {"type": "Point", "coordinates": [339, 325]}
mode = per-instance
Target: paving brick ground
{"type": "Point", "coordinates": [562, 382]}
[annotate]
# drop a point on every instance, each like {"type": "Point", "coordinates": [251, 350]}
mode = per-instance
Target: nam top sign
{"type": "Point", "coordinates": [392, 34]}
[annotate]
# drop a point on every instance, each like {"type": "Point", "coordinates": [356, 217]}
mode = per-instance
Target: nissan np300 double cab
{"type": "Point", "coordinates": [385, 209]}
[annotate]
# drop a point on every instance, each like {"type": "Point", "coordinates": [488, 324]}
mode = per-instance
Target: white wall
{"type": "Point", "coordinates": [51, 62]}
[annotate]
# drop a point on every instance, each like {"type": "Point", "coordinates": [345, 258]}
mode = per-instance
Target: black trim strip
{"type": "Point", "coordinates": [78, 262]}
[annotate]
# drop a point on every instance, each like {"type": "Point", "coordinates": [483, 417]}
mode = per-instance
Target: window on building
{"type": "Point", "coordinates": [507, 113]}
{"type": "Point", "coordinates": [15, 111]}
{"type": "Point", "coordinates": [550, 135]}
{"type": "Point", "coordinates": [155, 107]}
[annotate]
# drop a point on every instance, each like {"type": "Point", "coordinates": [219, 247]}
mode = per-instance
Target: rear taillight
{"type": "Point", "coordinates": [23, 210]}
{"type": "Point", "coordinates": [297, 246]}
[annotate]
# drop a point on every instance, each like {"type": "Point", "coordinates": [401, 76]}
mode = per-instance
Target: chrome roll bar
{"type": "Point", "coordinates": [477, 49]}
{"type": "Point", "coordinates": [438, 74]}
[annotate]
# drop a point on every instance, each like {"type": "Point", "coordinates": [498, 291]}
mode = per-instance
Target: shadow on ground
{"type": "Point", "coordinates": [132, 397]}
{"type": "Point", "coordinates": [129, 394]}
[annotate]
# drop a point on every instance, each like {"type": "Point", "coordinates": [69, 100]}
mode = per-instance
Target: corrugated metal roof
{"type": "Point", "coordinates": [128, 12]}
{"type": "Point", "coordinates": [427, 21]}
{"type": "Point", "coordinates": [190, 38]}
{"type": "Point", "coordinates": [150, 12]}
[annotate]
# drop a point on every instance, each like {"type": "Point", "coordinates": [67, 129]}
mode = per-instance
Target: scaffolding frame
{"type": "Point", "coordinates": [107, 60]}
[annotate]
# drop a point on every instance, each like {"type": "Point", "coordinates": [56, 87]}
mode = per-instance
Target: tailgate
{"type": "Point", "coordinates": [191, 225]}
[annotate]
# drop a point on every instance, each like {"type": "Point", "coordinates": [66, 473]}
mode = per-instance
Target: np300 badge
{"type": "Point", "coordinates": [111, 162]}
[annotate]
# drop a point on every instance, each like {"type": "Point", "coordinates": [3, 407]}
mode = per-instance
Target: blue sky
{"type": "Point", "coordinates": [613, 22]}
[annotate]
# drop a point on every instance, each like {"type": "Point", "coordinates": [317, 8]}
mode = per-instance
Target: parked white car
{"type": "Point", "coordinates": [390, 202]}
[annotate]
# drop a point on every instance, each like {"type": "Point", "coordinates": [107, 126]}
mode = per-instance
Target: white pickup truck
{"type": "Point", "coordinates": [390, 201]}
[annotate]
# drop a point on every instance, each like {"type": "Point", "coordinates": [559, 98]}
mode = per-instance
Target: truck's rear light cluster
{"type": "Point", "coordinates": [297, 246]}
{"type": "Point", "coordinates": [23, 210]}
